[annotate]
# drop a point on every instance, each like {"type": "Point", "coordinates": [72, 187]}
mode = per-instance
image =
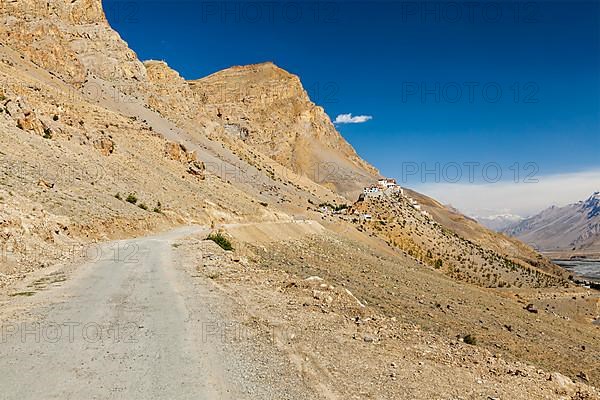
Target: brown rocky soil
{"type": "Point", "coordinates": [351, 334]}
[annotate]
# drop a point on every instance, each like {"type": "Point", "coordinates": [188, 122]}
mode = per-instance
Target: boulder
{"type": "Point", "coordinates": [106, 146]}
{"type": "Point", "coordinates": [196, 168]}
{"type": "Point", "coordinates": [563, 383]}
{"type": "Point", "coordinates": [31, 123]}
{"type": "Point", "coordinates": [178, 152]}
{"type": "Point", "coordinates": [531, 308]}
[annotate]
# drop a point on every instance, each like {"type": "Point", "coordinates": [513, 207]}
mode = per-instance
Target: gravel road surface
{"type": "Point", "coordinates": [132, 325]}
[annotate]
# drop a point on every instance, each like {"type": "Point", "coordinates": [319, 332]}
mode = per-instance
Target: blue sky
{"type": "Point", "coordinates": [512, 84]}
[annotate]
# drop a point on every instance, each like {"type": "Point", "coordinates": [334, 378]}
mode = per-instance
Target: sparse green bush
{"type": "Point", "coordinates": [221, 240]}
{"type": "Point", "coordinates": [335, 207]}
{"type": "Point", "coordinates": [143, 206]}
{"type": "Point", "coordinates": [132, 198]}
{"type": "Point", "coordinates": [470, 339]}
{"type": "Point", "coordinates": [438, 263]}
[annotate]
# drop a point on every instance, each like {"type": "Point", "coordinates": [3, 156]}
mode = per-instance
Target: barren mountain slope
{"type": "Point", "coordinates": [572, 230]}
{"type": "Point", "coordinates": [381, 325]}
{"type": "Point", "coordinates": [469, 229]}
{"type": "Point", "coordinates": [68, 168]}
{"type": "Point", "coordinates": [269, 109]}
{"type": "Point", "coordinates": [74, 42]}
{"type": "Point", "coordinates": [464, 257]}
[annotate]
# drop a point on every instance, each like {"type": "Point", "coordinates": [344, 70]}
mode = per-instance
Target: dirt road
{"type": "Point", "coordinates": [131, 325]}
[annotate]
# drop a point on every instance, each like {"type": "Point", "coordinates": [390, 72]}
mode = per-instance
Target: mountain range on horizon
{"type": "Point", "coordinates": [499, 221]}
{"type": "Point", "coordinates": [569, 231]}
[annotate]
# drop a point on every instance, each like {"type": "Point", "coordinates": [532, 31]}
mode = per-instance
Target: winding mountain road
{"type": "Point", "coordinates": [128, 326]}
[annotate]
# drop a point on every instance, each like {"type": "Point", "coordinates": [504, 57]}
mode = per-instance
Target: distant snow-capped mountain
{"type": "Point", "coordinates": [572, 229]}
{"type": "Point", "coordinates": [499, 222]}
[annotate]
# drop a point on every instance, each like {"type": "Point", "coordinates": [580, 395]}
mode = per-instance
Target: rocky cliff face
{"type": "Point", "coordinates": [268, 108]}
{"type": "Point", "coordinates": [71, 39]}
{"type": "Point", "coordinates": [169, 94]}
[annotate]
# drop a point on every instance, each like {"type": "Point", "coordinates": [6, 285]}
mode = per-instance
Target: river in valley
{"type": "Point", "coordinates": [589, 269]}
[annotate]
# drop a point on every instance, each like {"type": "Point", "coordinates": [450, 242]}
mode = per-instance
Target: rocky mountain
{"type": "Point", "coordinates": [269, 109]}
{"type": "Point", "coordinates": [70, 79]}
{"type": "Point", "coordinates": [262, 105]}
{"type": "Point", "coordinates": [97, 145]}
{"type": "Point", "coordinates": [562, 231]}
{"type": "Point", "coordinates": [70, 39]}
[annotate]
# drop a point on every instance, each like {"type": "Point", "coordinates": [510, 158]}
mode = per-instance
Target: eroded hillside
{"type": "Point", "coordinates": [97, 145]}
{"type": "Point", "coordinates": [404, 223]}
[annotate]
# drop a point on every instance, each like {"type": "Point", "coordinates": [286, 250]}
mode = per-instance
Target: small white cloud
{"type": "Point", "coordinates": [349, 119]}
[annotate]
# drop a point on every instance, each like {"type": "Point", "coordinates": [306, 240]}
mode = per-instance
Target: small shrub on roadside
{"type": "Point", "coordinates": [118, 196]}
{"type": "Point", "coordinates": [470, 339]}
{"type": "Point", "coordinates": [131, 198]}
{"type": "Point", "coordinates": [143, 206]}
{"type": "Point", "coordinates": [221, 240]}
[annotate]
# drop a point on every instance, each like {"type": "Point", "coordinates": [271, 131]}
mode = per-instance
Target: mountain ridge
{"type": "Point", "coordinates": [571, 230]}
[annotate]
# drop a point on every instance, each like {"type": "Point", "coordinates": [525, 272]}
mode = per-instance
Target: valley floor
{"type": "Point", "coordinates": [312, 316]}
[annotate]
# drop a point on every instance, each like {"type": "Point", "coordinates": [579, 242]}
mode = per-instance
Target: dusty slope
{"type": "Point", "coordinates": [406, 341]}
